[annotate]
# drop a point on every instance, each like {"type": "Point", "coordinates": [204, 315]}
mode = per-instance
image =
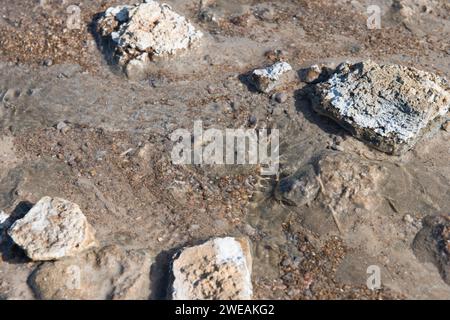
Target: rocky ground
{"type": "Point", "coordinates": [74, 126]}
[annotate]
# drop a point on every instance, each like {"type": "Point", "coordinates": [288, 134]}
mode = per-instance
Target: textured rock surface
{"type": "Point", "coordinates": [3, 218]}
{"type": "Point", "coordinates": [146, 30]}
{"type": "Point", "coordinates": [272, 77]}
{"type": "Point", "coordinates": [107, 273]}
{"type": "Point", "coordinates": [341, 180]}
{"type": "Point", "coordinates": [218, 269]}
{"type": "Point", "coordinates": [54, 228]}
{"type": "Point", "coordinates": [388, 106]}
{"type": "Point", "coordinates": [432, 244]}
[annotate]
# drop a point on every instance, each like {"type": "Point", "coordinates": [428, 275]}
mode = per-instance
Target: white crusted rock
{"type": "Point", "coordinates": [272, 77]}
{"type": "Point", "coordinates": [219, 269]}
{"type": "Point", "coordinates": [390, 107]}
{"type": "Point", "coordinates": [106, 273]}
{"type": "Point", "coordinates": [147, 28]}
{"type": "Point", "coordinates": [54, 228]}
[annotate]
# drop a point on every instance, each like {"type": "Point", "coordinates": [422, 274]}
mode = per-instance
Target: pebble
{"type": "Point", "coordinates": [408, 219]}
{"type": "Point", "coordinates": [62, 127]}
{"type": "Point", "coordinates": [280, 97]}
{"type": "Point", "coordinates": [48, 62]}
{"type": "Point", "coordinates": [252, 120]}
{"type": "Point", "coordinates": [446, 126]}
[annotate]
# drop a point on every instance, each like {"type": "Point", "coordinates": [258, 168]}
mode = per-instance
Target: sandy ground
{"type": "Point", "coordinates": [114, 158]}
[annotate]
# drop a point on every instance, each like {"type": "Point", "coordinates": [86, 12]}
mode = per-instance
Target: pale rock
{"type": "Point", "coordinates": [54, 228]}
{"type": "Point", "coordinates": [446, 126]}
{"type": "Point", "coordinates": [107, 273]}
{"type": "Point", "coordinates": [272, 77]}
{"type": "Point", "coordinates": [390, 107]}
{"type": "Point", "coordinates": [219, 269]}
{"type": "Point", "coordinates": [146, 30]}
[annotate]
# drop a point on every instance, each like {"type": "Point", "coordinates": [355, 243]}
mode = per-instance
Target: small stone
{"type": "Point", "coordinates": [219, 269]}
{"type": "Point", "coordinates": [264, 12]}
{"type": "Point", "coordinates": [446, 126]}
{"type": "Point", "coordinates": [298, 189]}
{"type": "Point", "coordinates": [107, 273]}
{"type": "Point", "coordinates": [252, 120]}
{"type": "Point", "coordinates": [53, 229]}
{"type": "Point", "coordinates": [280, 97]}
{"type": "Point", "coordinates": [62, 127]}
{"type": "Point", "coordinates": [411, 103]}
{"type": "Point", "coordinates": [312, 74]}
{"type": "Point", "coordinates": [408, 219]}
{"type": "Point", "coordinates": [272, 77]}
{"type": "Point", "coordinates": [208, 15]}
{"type": "Point", "coordinates": [48, 62]}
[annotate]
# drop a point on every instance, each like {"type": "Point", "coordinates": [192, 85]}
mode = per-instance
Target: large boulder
{"type": "Point", "coordinates": [107, 273]}
{"type": "Point", "coordinates": [146, 30]}
{"type": "Point", "coordinates": [54, 228]}
{"type": "Point", "coordinates": [390, 107]}
{"type": "Point", "coordinates": [219, 269]}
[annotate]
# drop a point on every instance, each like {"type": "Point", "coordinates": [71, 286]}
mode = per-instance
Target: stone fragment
{"type": "Point", "coordinates": [390, 107]}
{"type": "Point", "coordinates": [219, 269]}
{"type": "Point", "coordinates": [298, 189]}
{"type": "Point", "coordinates": [446, 126]}
{"type": "Point", "coordinates": [54, 228]}
{"type": "Point", "coordinates": [272, 77]}
{"type": "Point", "coordinates": [107, 273]}
{"type": "Point", "coordinates": [146, 30]}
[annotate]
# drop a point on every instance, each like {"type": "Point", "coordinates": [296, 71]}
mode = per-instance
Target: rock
{"type": "Point", "coordinates": [62, 127]}
{"type": "Point", "coordinates": [219, 269]}
{"type": "Point", "coordinates": [48, 62]}
{"type": "Point", "coordinates": [252, 120]}
{"type": "Point", "coordinates": [280, 97]}
{"type": "Point", "coordinates": [312, 74]}
{"type": "Point", "coordinates": [264, 12]}
{"type": "Point", "coordinates": [146, 30]}
{"type": "Point", "coordinates": [432, 244]}
{"type": "Point", "coordinates": [336, 179]}
{"type": "Point", "coordinates": [446, 126]}
{"type": "Point", "coordinates": [390, 107]}
{"type": "Point", "coordinates": [208, 15]}
{"type": "Point", "coordinates": [54, 228]}
{"type": "Point", "coordinates": [107, 273]}
{"type": "Point", "coordinates": [298, 189]}
{"type": "Point", "coordinates": [272, 77]}
{"type": "Point", "coordinates": [408, 219]}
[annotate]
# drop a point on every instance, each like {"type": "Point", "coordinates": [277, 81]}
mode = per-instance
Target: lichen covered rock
{"type": "Point", "coordinates": [54, 228]}
{"type": "Point", "coordinates": [390, 107]}
{"type": "Point", "coordinates": [219, 269]}
{"type": "Point", "coordinates": [146, 30]}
